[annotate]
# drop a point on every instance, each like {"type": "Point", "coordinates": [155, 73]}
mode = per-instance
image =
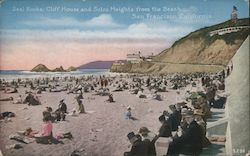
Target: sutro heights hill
{"type": "Point", "coordinates": [205, 50]}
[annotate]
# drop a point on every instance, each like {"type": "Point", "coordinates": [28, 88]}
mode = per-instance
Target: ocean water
{"type": "Point", "coordinates": [15, 74]}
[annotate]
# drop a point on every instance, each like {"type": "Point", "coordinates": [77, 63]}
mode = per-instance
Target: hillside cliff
{"type": "Point", "coordinates": [97, 65]}
{"type": "Point", "coordinates": [196, 52]}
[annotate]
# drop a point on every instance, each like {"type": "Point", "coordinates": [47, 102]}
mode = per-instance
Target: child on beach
{"type": "Point", "coordinates": [128, 113]}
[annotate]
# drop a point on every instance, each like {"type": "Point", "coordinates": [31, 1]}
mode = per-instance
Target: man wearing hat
{"type": "Point", "coordinates": [148, 135]}
{"type": "Point", "coordinates": [164, 137]}
{"type": "Point", "coordinates": [139, 147]}
{"type": "Point", "coordinates": [63, 109]}
{"type": "Point", "coordinates": [175, 117]}
{"type": "Point", "coordinates": [166, 128]}
{"type": "Point", "coordinates": [203, 125]}
{"type": "Point", "coordinates": [190, 142]}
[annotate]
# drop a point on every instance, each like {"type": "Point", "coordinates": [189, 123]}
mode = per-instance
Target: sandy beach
{"type": "Point", "coordinates": [102, 131]}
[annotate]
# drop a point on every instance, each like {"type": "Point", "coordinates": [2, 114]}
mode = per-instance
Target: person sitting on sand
{"type": "Point", "coordinates": [7, 99]}
{"type": "Point", "coordinates": [14, 90]}
{"type": "Point", "coordinates": [140, 94]}
{"type": "Point", "coordinates": [110, 99]}
{"type": "Point", "coordinates": [31, 100]}
{"type": "Point", "coordinates": [7, 115]}
{"type": "Point", "coordinates": [45, 137]}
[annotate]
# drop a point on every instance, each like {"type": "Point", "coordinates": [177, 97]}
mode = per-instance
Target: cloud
{"type": "Point", "coordinates": [133, 31]}
{"type": "Point", "coordinates": [103, 20]}
{"type": "Point", "coordinates": [137, 31]}
{"type": "Point", "coordinates": [141, 27]}
{"type": "Point", "coordinates": [74, 47]}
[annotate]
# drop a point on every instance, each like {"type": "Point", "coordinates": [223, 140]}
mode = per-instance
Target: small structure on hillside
{"type": "Point", "coordinates": [227, 30]}
{"type": "Point", "coordinates": [137, 57]}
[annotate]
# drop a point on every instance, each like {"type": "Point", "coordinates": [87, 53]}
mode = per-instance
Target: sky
{"type": "Point", "coordinates": [75, 32]}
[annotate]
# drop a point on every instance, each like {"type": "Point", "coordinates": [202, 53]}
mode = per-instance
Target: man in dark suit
{"type": "Point", "coordinates": [190, 143]}
{"type": "Point", "coordinates": [139, 147]}
{"type": "Point", "coordinates": [175, 117]}
{"type": "Point", "coordinates": [165, 129]}
{"type": "Point", "coordinates": [63, 109]}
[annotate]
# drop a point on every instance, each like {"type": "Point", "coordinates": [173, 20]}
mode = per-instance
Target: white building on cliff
{"type": "Point", "coordinates": [134, 58]}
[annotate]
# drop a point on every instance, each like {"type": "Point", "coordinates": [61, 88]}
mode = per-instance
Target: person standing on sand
{"type": "Point", "coordinates": [80, 106]}
{"type": "Point", "coordinates": [128, 113]}
{"type": "Point", "coordinates": [105, 81]}
{"type": "Point", "coordinates": [63, 109]}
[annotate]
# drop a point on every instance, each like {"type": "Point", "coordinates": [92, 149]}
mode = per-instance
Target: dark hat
{"type": "Point", "coordinates": [162, 118]}
{"type": "Point", "coordinates": [172, 107]}
{"type": "Point", "coordinates": [132, 137]}
{"type": "Point", "coordinates": [62, 100]}
{"type": "Point", "coordinates": [128, 108]}
{"type": "Point", "coordinates": [166, 113]}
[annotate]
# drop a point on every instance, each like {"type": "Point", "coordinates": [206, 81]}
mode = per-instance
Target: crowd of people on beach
{"type": "Point", "coordinates": [183, 126]}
